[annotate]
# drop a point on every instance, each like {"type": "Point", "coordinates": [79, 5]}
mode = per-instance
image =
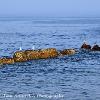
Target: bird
{"type": "Point", "coordinates": [20, 48]}
{"type": "Point", "coordinates": [84, 41]}
{"type": "Point", "coordinates": [33, 47]}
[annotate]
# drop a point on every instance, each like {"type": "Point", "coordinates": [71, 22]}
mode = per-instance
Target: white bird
{"type": "Point", "coordinates": [20, 48]}
{"type": "Point", "coordinates": [33, 47]}
{"type": "Point", "coordinates": [84, 41]}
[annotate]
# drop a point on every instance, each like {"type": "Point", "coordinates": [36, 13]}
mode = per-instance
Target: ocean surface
{"type": "Point", "coordinates": [75, 77]}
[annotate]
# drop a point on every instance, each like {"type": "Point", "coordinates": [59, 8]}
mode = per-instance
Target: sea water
{"type": "Point", "coordinates": [75, 77]}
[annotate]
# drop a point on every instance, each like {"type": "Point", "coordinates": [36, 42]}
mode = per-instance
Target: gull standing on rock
{"type": "Point", "coordinates": [20, 48]}
{"type": "Point", "coordinates": [33, 47]}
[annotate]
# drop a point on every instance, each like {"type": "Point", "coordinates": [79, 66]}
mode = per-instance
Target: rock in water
{"type": "Point", "coordinates": [48, 53]}
{"type": "Point", "coordinates": [5, 60]}
{"type": "Point", "coordinates": [86, 46]}
{"type": "Point", "coordinates": [68, 52]}
{"type": "Point", "coordinates": [20, 56]}
{"type": "Point", "coordinates": [96, 48]}
{"type": "Point", "coordinates": [33, 54]}
{"type": "Point", "coordinates": [41, 54]}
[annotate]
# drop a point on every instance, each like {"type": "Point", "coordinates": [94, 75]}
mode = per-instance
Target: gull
{"type": "Point", "coordinates": [33, 47]}
{"type": "Point", "coordinates": [20, 48]}
{"type": "Point", "coordinates": [84, 41]}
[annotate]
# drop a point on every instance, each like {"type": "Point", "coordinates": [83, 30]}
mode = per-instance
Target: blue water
{"type": "Point", "coordinates": [75, 77]}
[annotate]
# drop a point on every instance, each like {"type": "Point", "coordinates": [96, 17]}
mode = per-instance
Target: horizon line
{"type": "Point", "coordinates": [49, 16]}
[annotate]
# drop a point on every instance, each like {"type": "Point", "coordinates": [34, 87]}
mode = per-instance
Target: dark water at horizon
{"type": "Point", "coordinates": [76, 77]}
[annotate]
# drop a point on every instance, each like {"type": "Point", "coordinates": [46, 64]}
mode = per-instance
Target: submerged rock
{"type": "Point", "coordinates": [68, 52]}
{"type": "Point", "coordinates": [96, 48]}
{"type": "Point", "coordinates": [5, 60]}
{"type": "Point", "coordinates": [86, 46]}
